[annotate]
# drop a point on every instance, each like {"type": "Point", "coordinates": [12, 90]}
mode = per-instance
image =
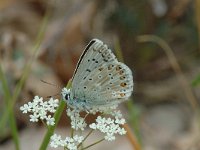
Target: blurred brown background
{"type": "Point", "coordinates": [165, 100]}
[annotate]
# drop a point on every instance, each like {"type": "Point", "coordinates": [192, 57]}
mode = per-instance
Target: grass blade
{"type": "Point", "coordinates": [12, 121]}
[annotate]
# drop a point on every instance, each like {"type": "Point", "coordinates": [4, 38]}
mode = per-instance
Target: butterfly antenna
{"type": "Point", "coordinates": [50, 84]}
{"type": "Point", "coordinates": [53, 95]}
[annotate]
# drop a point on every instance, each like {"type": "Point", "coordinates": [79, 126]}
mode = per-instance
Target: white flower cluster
{"type": "Point", "coordinates": [40, 109]}
{"type": "Point", "coordinates": [69, 143]}
{"type": "Point", "coordinates": [77, 122]}
{"type": "Point", "coordinates": [109, 126]}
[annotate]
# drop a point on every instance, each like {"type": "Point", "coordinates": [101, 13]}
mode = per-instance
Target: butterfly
{"type": "Point", "coordinates": [99, 79]}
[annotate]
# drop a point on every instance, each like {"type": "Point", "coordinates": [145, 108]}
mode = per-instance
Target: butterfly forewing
{"type": "Point", "coordinates": [95, 54]}
{"type": "Point", "coordinates": [99, 79]}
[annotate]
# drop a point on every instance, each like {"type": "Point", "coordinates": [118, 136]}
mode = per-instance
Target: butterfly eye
{"type": "Point", "coordinates": [66, 97]}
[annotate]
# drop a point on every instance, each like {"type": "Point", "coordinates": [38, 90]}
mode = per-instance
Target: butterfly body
{"type": "Point", "coordinates": [99, 80]}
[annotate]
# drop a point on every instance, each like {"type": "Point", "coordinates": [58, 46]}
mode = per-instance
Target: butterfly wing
{"type": "Point", "coordinates": [95, 54]}
{"type": "Point", "coordinates": [108, 84]}
{"type": "Point", "coordinates": [99, 79]}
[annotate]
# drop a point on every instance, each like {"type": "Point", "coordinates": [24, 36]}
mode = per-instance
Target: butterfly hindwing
{"type": "Point", "coordinates": [108, 84]}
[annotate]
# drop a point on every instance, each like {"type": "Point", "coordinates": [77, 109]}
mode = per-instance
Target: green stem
{"type": "Point", "coordinates": [65, 148]}
{"type": "Point", "coordinates": [118, 50]}
{"type": "Point", "coordinates": [72, 132]}
{"type": "Point", "coordinates": [86, 137]}
{"type": "Point", "coordinates": [12, 120]}
{"type": "Point", "coordinates": [93, 144]}
{"type": "Point", "coordinates": [51, 129]}
{"type": "Point", "coordinates": [14, 130]}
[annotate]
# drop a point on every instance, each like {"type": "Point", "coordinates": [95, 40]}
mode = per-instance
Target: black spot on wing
{"type": "Point", "coordinates": [88, 70]}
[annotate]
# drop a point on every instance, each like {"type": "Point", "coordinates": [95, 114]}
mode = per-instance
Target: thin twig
{"type": "Point", "coordinates": [93, 144]}
{"type": "Point", "coordinates": [85, 137]}
{"type": "Point", "coordinates": [50, 84]}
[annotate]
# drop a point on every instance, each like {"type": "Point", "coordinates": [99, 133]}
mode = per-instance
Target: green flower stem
{"type": "Point", "coordinates": [118, 50]}
{"type": "Point", "coordinates": [85, 138]}
{"type": "Point", "coordinates": [12, 121]}
{"type": "Point", "coordinates": [51, 129]}
{"type": "Point", "coordinates": [65, 148]}
{"type": "Point", "coordinates": [72, 132]}
{"type": "Point", "coordinates": [93, 144]}
{"type": "Point", "coordinates": [133, 119]}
